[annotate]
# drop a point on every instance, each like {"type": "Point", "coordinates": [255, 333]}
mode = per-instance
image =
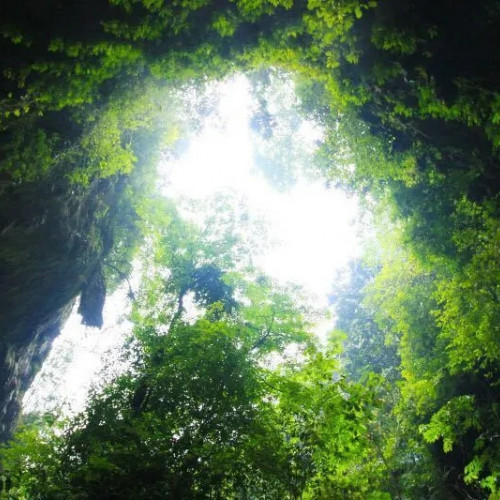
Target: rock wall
{"type": "Point", "coordinates": [53, 241]}
{"type": "Point", "coordinates": [20, 361]}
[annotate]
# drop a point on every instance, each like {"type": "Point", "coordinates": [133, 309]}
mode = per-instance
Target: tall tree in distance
{"type": "Point", "coordinates": [366, 346]}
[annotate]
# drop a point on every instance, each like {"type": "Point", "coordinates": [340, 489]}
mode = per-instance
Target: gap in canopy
{"type": "Point", "coordinates": [251, 147]}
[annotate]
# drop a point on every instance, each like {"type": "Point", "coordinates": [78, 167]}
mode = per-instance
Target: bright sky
{"type": "Point", "coordinates": [312, 227]}
{"type": "Point", "coordinates": [77, 356]}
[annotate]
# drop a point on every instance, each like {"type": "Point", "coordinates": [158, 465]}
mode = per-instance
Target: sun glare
{"type": "Point", "coordinates": [313, 230]}
{"type": "Point", "coordinates": [313, 227]}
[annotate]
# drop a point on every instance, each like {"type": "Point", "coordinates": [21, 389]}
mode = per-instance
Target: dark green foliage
{"type": "Point", "coordinates": [189, 423]}
{"type": "Point", "coordinates": [197, 415]}
{"type": "Point", "coordinates": [366, 348]}
{"type": "Point", "coordinates": [408, 93]}
{"type": "Point", "coordinates": [209, 288]}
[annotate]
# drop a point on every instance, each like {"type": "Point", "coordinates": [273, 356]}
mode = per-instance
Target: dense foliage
{"type": "Point", "coordinates": [409, 96]}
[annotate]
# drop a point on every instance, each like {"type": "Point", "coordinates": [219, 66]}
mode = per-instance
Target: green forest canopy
{"type": "Point", "coordinates": [408, 95]}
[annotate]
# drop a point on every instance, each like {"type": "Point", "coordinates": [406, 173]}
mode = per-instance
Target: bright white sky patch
{"type": "Point", "coordinates": [316, 234]}
{"type": "Point", "coordinates": [312, 227]}
{"type": "Point", "coordinates": [77, 356]}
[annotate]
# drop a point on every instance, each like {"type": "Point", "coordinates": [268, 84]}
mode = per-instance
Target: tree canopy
{"type": "Point", "coordinates": [403, 400]}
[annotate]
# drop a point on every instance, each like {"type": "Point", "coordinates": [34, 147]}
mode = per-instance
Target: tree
{"type": "Point", "coordinates": [366, 348]}
{"type": "Point", "coordinates": [200, 412]}
{"type": "Point", "coordinates": [408, 95]}
{"type": "Point", "coordinates": [442, 396]}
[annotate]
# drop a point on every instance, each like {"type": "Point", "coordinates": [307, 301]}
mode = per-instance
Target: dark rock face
{"type": "Point", "coordinates": [92, 299]}
{"type": "Point", "coordinates": [53, 241]}
{"type": "Point", "coordinates": [20, 361]}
